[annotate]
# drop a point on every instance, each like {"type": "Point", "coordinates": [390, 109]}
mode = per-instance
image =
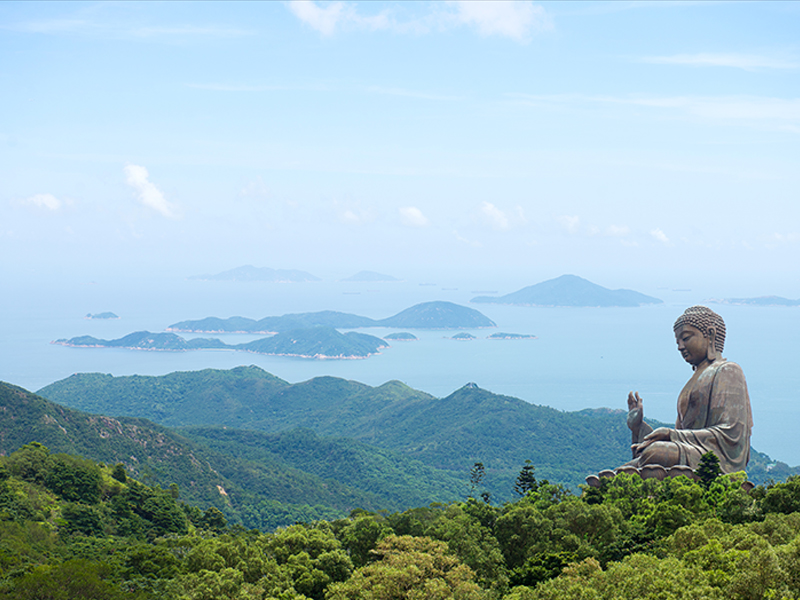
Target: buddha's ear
{"type": "Point", "coordinates": [711, 353]}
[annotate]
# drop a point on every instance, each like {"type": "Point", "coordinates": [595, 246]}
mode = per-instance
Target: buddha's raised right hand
{"type": "Point", "coordinates": [635, 412]}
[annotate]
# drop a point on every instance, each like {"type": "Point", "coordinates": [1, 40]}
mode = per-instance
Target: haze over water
{"type": "Point", "coordinates": [583, 357]}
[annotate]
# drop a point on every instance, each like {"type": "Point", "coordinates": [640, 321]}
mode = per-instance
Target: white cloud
{"type": "Point", "coordinates": [495, 217]}
{"type": "Point", "coordinates": [517, 20]}
{"type": "Point", "coordinates": [617, 230]}
{"type": "Point", "coordinates": [785, 238]}
{"type": "Point", "coordinates": [659, 235]}
{"type": "Point", "coordinates": [748, 62]}
{"type": "Point", "coordinates": [349, 217]}
{"type": "Point", "coordinates": [473, 243]}
{"type": "Point", "coordinates": [47, 201]}
{"type": "Point", "coordinates": [570, 223]}
{"type": "Point", "coordinates": [328, 19]}
{"type": "Point", "coordinates": [411, 216]}
{"type": "Point", "coordinates": [255, 189]}
{"type": "Point", "coordinates": [148, 194]}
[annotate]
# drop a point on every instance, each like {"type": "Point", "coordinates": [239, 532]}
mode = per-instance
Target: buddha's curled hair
{"type": "Point", "coordinates": [703, 317]}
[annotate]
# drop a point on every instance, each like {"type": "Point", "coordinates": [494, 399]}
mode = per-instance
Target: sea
{"type": "Point", "coordinates": [581, 357]}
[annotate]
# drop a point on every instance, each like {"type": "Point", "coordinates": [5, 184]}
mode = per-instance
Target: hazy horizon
{"type": "Point", "coordinates": [634, 144]}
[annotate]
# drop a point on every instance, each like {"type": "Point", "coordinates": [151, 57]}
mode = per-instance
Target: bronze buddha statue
{"type": "Point", "coordinates": [714, 412]}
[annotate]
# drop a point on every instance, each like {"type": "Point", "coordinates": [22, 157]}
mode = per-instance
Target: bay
{"type": "Point", "coordinates": [583, 357]}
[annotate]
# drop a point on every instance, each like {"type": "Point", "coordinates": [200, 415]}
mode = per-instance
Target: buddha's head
{"type": "Point", "coordinates": [700, 334]}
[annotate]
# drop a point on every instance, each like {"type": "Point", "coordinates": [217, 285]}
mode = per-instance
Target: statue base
{"type": "Point", "coordinates": [652, 472]}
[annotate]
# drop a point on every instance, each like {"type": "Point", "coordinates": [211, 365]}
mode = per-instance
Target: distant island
{"type": "Point", "coordinates": [569, 290]}
{"type": "Point", "coordinates": [428, 315]}
{"type": "Point", "coordinates": [758, 301]}
{"type": "Point", "coordinates": [370, 277]}
{"type": "Point", "coordinates": [102, 315]}
{"type": "Point", "coordinates": [251, 273]}
{"type": "Point", "coordinates": [316, 342]}
{"type": "Point", "coordinates": [510, 336]}
{"type": "Point", "coordinates": [401, 336]}
{"type": "Point", "coordinates": [463, 336]}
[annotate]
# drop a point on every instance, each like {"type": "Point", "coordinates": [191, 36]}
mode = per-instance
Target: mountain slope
{"type": "Point", "coordinates": [274, 480]}
{"type": "Point", "coordinates": [569, 290]}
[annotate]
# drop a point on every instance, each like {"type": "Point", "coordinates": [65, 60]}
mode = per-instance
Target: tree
{"type": "Point", "coordinates": [476, 475]}
{"type": "Point", "coordinates": [410, 567]}
{"type": "Point", "coordinates": [119, 473]}
{"type": "Point", "coordinates": [526, 480]}
{"type": "Point", "coordinates": [708, 469]}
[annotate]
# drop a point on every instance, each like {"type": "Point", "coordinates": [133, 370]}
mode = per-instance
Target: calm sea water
{"type": "Point", "coordinates": [582, 358]}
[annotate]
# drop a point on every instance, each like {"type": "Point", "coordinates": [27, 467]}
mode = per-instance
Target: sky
{"type": "Point", "coordinates": [625, 142]}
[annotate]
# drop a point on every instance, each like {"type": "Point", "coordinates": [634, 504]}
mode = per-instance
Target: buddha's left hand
{"type": "Point", "coordinates": [657, 435]}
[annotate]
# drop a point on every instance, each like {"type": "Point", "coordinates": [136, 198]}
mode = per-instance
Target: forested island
{"type": "Point", "coordinates": [109, 508]}
{"type": "Point", "coordinates": [510, 336]}
{"type": "Point", "coordinates": [427, 315]}
{"type": "Point", "coordinates": [313, 342]}
{"type": "Point", "coordinates": [400, 336]}
{"type": "Point", "coordinates": [463, 336]}
{"type": "Point", "coordinates": [569, 290]}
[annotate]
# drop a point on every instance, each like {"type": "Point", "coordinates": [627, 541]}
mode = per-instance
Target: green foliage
{"type": "Point", "coordinates": [30, 462]}
{"type": "Point", "coordinates": [75, 579]}
{"type": "Point", "coordinates": [526, 480]}
{"type": "Point", "coordinates": [628, 539]}
{"type": "Point", "coordinates": [73, 478]}
{"type": "Point", "coordinates": [708, 469]}
{"type": "Point", "coordinates": [410, 567]}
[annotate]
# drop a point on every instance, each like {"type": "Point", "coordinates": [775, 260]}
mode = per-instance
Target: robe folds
{"type": "Point", "coordinates": [714, 415]}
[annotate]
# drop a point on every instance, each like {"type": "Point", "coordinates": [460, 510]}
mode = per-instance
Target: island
{"type": "Point", "coordinates": [758, 301]}
{"type": "Point", "coordinates": [510, 336]}
{"type": "Point", "coordinates": [316, 342]}
{"type": "Point", "coordinates": [401, 336]}
{"type": "Point", "coordinates": [570, 290]}
{"type": "Point", "coordinates": [427, 315]}
{"type": "Point", "coordinates": [325, 318]}
{"type": "Point", "coordinates": [251, 273]}
{"type": "Point", "coordinates": [370, 277]}
{"type": "Point", "coordinates": [463, 336]}
{"type": "Point", "coordinates": [438, 315]}
{"type": "Point", "coordinates": [102, 315]}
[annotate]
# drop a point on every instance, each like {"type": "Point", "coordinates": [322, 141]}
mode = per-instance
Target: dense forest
{"type": "Point", "coordinates": [75, 529]}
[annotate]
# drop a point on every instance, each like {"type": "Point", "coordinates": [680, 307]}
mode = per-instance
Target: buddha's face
{"type": "Point", "coordinates": [692, 344]}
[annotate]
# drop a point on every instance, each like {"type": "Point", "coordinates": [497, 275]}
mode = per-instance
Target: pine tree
{"type": "Point", "coordinates": [526, 480]}
{"type": "Point", "coordinates": [708, 469]}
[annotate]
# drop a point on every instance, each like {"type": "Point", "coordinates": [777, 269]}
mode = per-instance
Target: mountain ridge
{"type": "Point", "coordinates": [570, 290]}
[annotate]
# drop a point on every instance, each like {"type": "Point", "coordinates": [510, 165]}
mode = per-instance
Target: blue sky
{"type": "Point", "coordinates": [619, 141]}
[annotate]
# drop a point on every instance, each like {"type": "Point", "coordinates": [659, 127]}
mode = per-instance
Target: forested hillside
{"type": "Point", "coordinates": [451, 434]}
{"type": "Point", "coordinates": [74, 529]}
{"type": "Point", "coordinates": [254, 479]}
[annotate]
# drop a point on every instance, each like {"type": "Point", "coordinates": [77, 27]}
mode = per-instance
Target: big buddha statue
{"type": "Point", "coordinates": [713, 408]}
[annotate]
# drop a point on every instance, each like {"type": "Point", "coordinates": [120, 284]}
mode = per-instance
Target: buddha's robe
{"type": "Point", "coordinates": [713, 415]}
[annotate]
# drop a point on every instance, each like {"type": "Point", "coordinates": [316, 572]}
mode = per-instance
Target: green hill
{"type": "Point", "coordinates": [451, 434]}
{"type": "Point", "coordinates": [319, 342]}
{"type": "Point", "coordinates": [569, 290]}
{"type": "Point", "coordinates": [428, 315]}
{"type": "Point", "coordinates": [438, 315]}
{"type": "Point", "coordinates": [254, 478]}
